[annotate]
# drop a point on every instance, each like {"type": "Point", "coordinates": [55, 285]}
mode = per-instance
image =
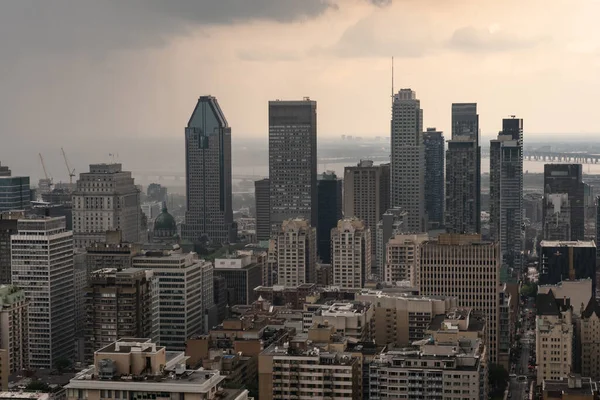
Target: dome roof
{"type": "Point", "coordinates": [165, 221]}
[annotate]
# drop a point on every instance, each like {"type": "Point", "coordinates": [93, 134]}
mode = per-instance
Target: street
{"type": "Point", "coordinates": [520, 380]}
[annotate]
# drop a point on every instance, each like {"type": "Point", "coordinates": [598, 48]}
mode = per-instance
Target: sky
{"type": "Point", "coordinates": [100, 74]}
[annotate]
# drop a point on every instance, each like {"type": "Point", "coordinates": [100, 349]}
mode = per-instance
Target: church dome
{"type": "Point", "coordinates": [165, 221]}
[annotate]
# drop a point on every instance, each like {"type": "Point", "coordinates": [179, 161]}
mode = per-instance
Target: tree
{"type": "Point", "coordinates": [37, 386]}
{"type": "Point", "coordinates": [529, 289]}
{"type": "Point", "coordinates": [62, 364]}
{"type": "Point", "coordinates": [498, 379]}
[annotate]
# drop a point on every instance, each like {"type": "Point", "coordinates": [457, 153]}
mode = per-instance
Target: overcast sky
{"type": "Point", "coordinates": [76, 72]}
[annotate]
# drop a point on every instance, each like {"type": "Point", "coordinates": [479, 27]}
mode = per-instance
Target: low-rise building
{"type": "Point", "coordinates": [573, 388]}
{"type": "Point", "coordinates": [350, 319]}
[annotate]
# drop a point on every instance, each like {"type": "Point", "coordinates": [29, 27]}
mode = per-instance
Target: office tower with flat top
{"type": "Point", "coordinates": [329, 189]}
{"type": "Point", "coordinates": [263, 209]}
{"type": "Point", "coordinates": [434, 176]}
{"type": "Point", "coordinates": [567, 179]}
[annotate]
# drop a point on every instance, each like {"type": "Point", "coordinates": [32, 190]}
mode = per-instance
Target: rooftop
{"type": "Point", "coordinates": [574, 385]}
{"type": "Point", "coordinates": [24, 395]}
{"type": "Point", "coordinates": [561, 243]}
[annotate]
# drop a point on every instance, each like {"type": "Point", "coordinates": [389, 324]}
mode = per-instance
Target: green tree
{"type": "Point", "coordinates": [62, 363]}
{"type": "Point", "coordinates": [529, 289]}
{"type": "Point", "coordinates": [37, 386]}
{"type": "Point", "coordinates": [498, 379]}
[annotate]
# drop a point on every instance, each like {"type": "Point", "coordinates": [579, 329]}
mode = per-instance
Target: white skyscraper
{"type": "Point", "coordinates": [42, 265]}
{"type": "Point", "coordinates": [407, 184]}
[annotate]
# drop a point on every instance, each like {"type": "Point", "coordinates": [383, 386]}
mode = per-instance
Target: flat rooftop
{"type": "Point", "coordinates": [24, 395]}
{"type": "Point", "coordinates": [556, 389]}
{"type": "Point", "coordinates": [571, 243]}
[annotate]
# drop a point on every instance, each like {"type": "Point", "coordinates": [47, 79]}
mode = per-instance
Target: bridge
{"type": "Point", "coordinates": [544, 155]}
{"type": "Point", "coordinates": [179, 176]}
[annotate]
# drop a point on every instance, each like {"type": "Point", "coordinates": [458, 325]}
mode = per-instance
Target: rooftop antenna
{"type": "Point", "coordinates": [392, 81]}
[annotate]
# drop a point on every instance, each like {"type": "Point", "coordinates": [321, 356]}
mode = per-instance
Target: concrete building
{"type": "Point", "coordinates": [8, 227]}
{"type": "Point", "coordinates": [407, 171]}
{"type": "Point", "coordinates": [209, 215]}
{"type": "Point", "coordinates": [403, 258]}
{"type": "Point", "coordinates": [13, 329]}
{"type": "Point", "coordinates": [589, 339]}
{"type": "Point", "coordinates": [433, 141]}
{"type": "Point", "coordinates": [118, 303]}
{"type": "Point", "coordinates": [571, 260]}
{"type": "Point", "coordinates": [468, 268]}
{"type": "Point", "coordinates": [567, 178]}
{"type": "Point", "coordinates": [367, 194]}
{"type": "Point", "coordinates": [506, 191]}
{"type": "Point", "coordinates": [15, 193]}
{"type": "Point", "coordinates": [557, 217]}
{"type": "Point", "coordinates": [463, 171]}
{"type": "Point", "coordinates": [351, 319]}
{"type": "Point", "coordinates": [293, 160]}
{"type": "Point", "coordinates": [42, 265]}
{"type": "Point", "coordinates": [106, 199]}
{"type": "Point", "coordinates": [4, 170]}
{"type": "Point", "coordinates": [392, 222]}
{"type": "Point", "coordinates": [296, 252]}
{"type": "Point", "coordinates": [553, 337]}
{"type": "Point", "coordinates": [351, 253]}
{"type": "Point", "coordinates": [185, 295]}
{"type": "Point", "coordinates": [329, 194]}
{"type": "Point", "coordinates": [262, 194]}
{"type": "Point", "coordinates": [505, 327]}
{"type": "Point", "coordinates": [574, 387]}
{"type": "Point", "coordinates": [151, 209]}
{"type": "Point", "coordinates": [80, 284]}
{"type": "Point", "coordinates": [242, 274]}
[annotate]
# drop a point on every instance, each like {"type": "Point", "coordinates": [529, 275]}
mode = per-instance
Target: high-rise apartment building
{"type": "Point", "coordinates": [351, 253]}
{"type": "Point", "coordinates": [114, 253]}
{"type": "Point", "coordinates": [293, 160]}
{"type": "Point", "coordinates": [468, 268]}
{"type": "Point", "coordinates": [403, 258]}
{"type": "Point", "coordinates": [118, 304]}
{"type": "Point", "coordinates": [262, 195]}
{"type": "Point", "coordinates": [15, 193]}
{"type": "Point", "coordinates": [567, 178]}
{"type": "Point", "coordinates": [561, 261]}
{"type": "Point", "coordinates": [42, 265]}
{"type": "Point", "coordinates": [8, 227]}
{"type": "Point", "coordinates": [242, 274]}
{"type": "Point", "coordinates": [185, 295]}
{"type": "Point", "coordinates": [506, 191]}
{"type": "Point", "coordinates": [329, 194]}
{"type": "Point", "coordinates": [295, 251]}
{"type": "Point", "coordinates": [434, 176]}
{"type": "Point", "coordinates": [13, 328]}
{"type": "Point", "coordinates": [556, 223]}
{"type": "Point", "coordinates": [209, 216]}
{"type": "Point", "coordinates": [590, 340]}
{"type": "Point", "coordinates": [106, 199]}
{"type": "Point", "coordinates": [407, 171]}
{"type": "Point", "coordinates": [463, 171]}
{"type": "Point", "coordinates": [392, 222]}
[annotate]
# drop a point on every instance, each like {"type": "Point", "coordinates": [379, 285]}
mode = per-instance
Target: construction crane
{"type": "Point", "coordinates": [69, 170]}
{"type": "Point", "coordinates": [45, 184]}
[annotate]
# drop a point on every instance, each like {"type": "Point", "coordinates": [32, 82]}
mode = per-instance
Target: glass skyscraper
{"type": "Point", "coordinates": [15, 193]}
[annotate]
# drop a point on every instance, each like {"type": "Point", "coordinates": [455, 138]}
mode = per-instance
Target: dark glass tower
{"type": "Point", "coordinates": [434, 176]}
{"type": "Point", "coordinates": [562, 261]}
{"type": "Point", "coordinates": [209, 215]}
{"type": "Point", "coordinates": [263, 209]}
{"type": "Point", "coordinates": [329, 194]}
{"type": "Point", "coordinates": [567, 178]}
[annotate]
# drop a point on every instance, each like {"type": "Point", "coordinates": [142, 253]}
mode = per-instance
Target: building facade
{"type": "Point", "coordinates": [293, 160]}
{"type": "Point", "coordinates": [242, 274]}
{"type": "Point", "coordinates": [15, 193]}
{"type": "Point", "coordinates": [590, 340]}
{"type": "Point", "coordinates": [262, 195]}
{"type": "Point", "coordinates": [295, 252]}
{"type": "Point", "coordinates": [329, 194]}
{"type": "Point", "coordinates": [403, 257]}
{"type": "Point", "coordinates": [556, 217]}
{"type": "Point", "coordinates": [209, 216]}
{"type": "Point", "coordinates": [433, 141]}
{"type": "Point", "coordinates": [8, 227]}
{"type": "Point", "coordinates": [392, 222]}
{"type": "Point", "coordinates": [567, 178]}
{"type": "Point", "coordinates": [13, 328]}
{"type": "Point", "coordinates": [560, 261]}
{"type": "Point", "coordinates": [351, 253]}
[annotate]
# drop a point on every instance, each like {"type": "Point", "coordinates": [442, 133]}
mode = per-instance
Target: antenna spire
{"type": "Point", "coordinates": [392, 79]}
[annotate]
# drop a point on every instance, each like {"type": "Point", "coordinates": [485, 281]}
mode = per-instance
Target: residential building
{"type": "Point", "coordinates": [433, 141]}
{"type": "Point", "coordinates": [209, 216]}
{"type": "Point", "coordinates": [113, 253]}
{"type": "Point", "coordinates": [8, 227]}
{"type": "Point", "coordinates": [80, 284]}
{"type": "Point", "coordinates": [392, 222]}
{"type": "Point", "coordinates": [295, 252]}
{"type": "Point", "coordinates": [106, 199]}
{"type": "Point", "coordinates": [242, 274]}
{"type": "Point", "coordinates": [324, 274]}
{"type": "Point", "coordinates": [567, 178]}
{"type": "Point", "coordinates": [13, 329]}
{"type": "Point", "coordinates": [589, 339]}
{"type": "Point", "coordinates": [505, 327]}
{"type": "Point", "coordinates": [351, 319]}
{"type": "Point", "coordinates": [329, 195]}
{"type": "Point", "coordinates": [351, 253]}
{"type": "Point", "coordinates": [42, 265]}
{"type": "Point", "coordinates": [579, 291]}
{"type": "Point", "coordinates": [574, 387]}
{"type": "Point", "coordinates": [262, 195]}
{"type": "Point", "coordinates": [463, 171]}
{"type": "Point", "coordinates": [403, 258]}
{"type": "Point", "coordinates": [557, 217]}
{"type": "Point", "coordinates": [118, 303]}
{"type": "Point", "coordinates": [293, 161]}
{"type": "Point", "coordinates": [185, 295]}
{"type": "Point", "coordinates": [407, 171]}
{"type": "Point", "coordinates": [506, 191]}
{"type": "Point", "coordinates": [367, 194]}
{"type": "Point", "coordinates": [553, 337]}
{"type": "Point", "coordinates": [569, 260]}
{"type": "Point", "coordinates": [14, 193]}
{"type": "Point", "coordinates": [466, 267]}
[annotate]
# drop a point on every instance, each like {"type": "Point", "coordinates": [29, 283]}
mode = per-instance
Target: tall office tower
{"type": "Point", "coordinates": [597, 229]}
{"type": "Point", "coordinates": [105, 199]}
{"type": "Point", "coordinates": [42, 265]}
{"type": "Point", "coordinates": [209, 215]}
{"type": "Point", "coordinates": [561, 261]}
{"type": "Point", "coordinates": [556, 224]}
{"type": "Point", "coordinates": [351, 253]}
{"type": "Point", "coordinates": [329, 194]}
{"type": "Point", "coordinates": [367, 194]}
{"type": "Point", "coordinates": [463, 171]}
{"type": "Point", "coordinates": [590, 340]}
{"type": "Point", "coordinates": [392, 222]}
{"type": "Point", "coordinates": [13, 327]}
{"type": "Point", "coordinates": [296, 248]}
{"type": "Point", "coordinates": [468, 268]}
{"type": "Point", "coordinates": [15, 193]}
{"type": "Point", "coordinates": [506, 191]}
{"type": "Point", "coordinates": [407, 172]}
{"type": "Point", "coordinates": [242, 274]}
{"type": "Point", "coordinates": [403, 258]}
{"type": "Point", "coordinates": [8, 227]}
{"type": "Point", "coordinates": [185, 295]}
{"type": "Point", "coordinates": [293, 160]}
{"type": "Point", "coordinates": [567, 178]}
{"type": "Point", "coordinates": [262, 196]}
{"type": "Point", "coordinates": [434, 176]}
{"type": "Point", "coordinates": [118, 304]}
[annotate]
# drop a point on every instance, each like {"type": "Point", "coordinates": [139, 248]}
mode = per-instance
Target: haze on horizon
{"type": "Point", "coordinates": [87, 73]}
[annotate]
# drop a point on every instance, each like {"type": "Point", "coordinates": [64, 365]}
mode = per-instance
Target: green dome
{"type": "Point", "coordinates": [165, 221]}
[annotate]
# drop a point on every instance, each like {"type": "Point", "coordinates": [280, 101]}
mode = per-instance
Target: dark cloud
{"type": "Point", "coordinates": [470, 39]}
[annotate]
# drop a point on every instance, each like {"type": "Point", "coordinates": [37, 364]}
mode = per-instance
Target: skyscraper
{"type": "Point", "coordinates": [13, 327]}
{"type": "Point", "coordinates": [434, 176]}
{"type": "Point", "coordinates": [209, 216]}
{"type": "Point", "coordinates": [105, 199]}
{"type": "Point", "coordinates": [295, 249]}
{"type": "Point", "coordinates": [15, 193]}
{"type": "Point", "coordinates": [463, 171]}
{"type": "Point", "coordinates": [561, 261]}
{"type": "Point", "coordinates": [407, 172]}
{"type": "Point", "coordinates": [506, 190]}
{"type": "Point", "coordinates": [351, 253]}
{"type": "Point", "coordinates": [567, 178]}
{"type": "Point", "coordinates": [8, 227]}
{"type": "Point", "coordinates": [392, 223]}
{"type": "Point", "coordinates": [329, 194]}
{"type": "Point", "coordinates": [263, 209]}
{"type": "Point", "coordinates": [42, 265]}
{"type": "Point", "coordinates": [293, 161]}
